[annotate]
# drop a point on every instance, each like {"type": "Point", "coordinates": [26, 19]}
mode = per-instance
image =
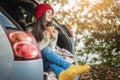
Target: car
{"type": "Point", "coordinates": [15, 17]}
{"type": "Point", "coordinates": [20, 57]}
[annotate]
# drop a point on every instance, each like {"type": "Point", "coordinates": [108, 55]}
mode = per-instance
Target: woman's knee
{"type": "Point", "coordinates": [47, 49]}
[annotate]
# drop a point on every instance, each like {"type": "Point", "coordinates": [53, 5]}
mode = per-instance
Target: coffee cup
{"type": "Point", "coordinates": [51, 30]}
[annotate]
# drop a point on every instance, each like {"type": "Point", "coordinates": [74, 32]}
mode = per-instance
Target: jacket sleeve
{"type": "Point", "coordinates": [44, 42]}
{"type": "Point", "coordinates": [53, 42]}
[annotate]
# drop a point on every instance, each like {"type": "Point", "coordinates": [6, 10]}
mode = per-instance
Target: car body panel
{"type": "Point", "coordinates": [26, 70]}
{"type": "Point", "coordinates": [6, 56]}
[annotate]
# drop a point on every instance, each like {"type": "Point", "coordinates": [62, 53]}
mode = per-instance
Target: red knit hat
{"type": "Point", "coordinates": [41, 9]}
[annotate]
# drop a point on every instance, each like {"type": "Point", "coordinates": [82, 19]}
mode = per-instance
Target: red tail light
{"type": "Point", "coordinates": [24, 45]}
{"type": "Point", "coordinates": [25, 50]}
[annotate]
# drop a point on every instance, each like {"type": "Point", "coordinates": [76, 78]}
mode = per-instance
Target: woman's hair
{"type": "Point", "coordinates": [39, 27]}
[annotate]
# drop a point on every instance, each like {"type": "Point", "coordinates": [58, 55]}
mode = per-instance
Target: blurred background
{"type": "Point", "coordinates": [96, 29]}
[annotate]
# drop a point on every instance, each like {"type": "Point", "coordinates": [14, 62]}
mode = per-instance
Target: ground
{"type": "Point", "coordinates": [99, 72]}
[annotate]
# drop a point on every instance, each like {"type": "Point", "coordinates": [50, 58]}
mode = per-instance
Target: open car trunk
{"type": "Point", "coordinates": [22, 12]}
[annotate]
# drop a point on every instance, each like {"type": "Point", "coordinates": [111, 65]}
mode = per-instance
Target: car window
{"type": "Point", "coordinates": [5, 22]}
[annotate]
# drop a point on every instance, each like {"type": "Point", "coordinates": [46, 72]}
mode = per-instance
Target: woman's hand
{"type": "Point", "coordinates": [46, 34]}
{"type": "Point", "coordinates": [51, 31]}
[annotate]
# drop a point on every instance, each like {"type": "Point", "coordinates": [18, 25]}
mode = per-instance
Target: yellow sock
{"type": "Point", "coordinates": [73, 71]}
{"type": "Point", "coordinates": [66, 75]}
{"type": "Point", "coordinates": [80, 69]}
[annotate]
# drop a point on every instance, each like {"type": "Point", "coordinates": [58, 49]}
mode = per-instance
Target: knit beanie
{"type": "Point", "coordinates": [41, 9]}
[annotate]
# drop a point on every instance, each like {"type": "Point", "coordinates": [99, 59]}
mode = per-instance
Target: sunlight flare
{"type": "Point", "coordinates": [95, 1]}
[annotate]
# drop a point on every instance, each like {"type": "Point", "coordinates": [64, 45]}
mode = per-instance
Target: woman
{"type": "Point", "coordinates": [46, 36]}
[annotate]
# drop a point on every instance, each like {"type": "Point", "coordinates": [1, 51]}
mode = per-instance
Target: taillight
{"type": "Point", "coordinates": [24, 45]}
{"type": "Point", "coordinates": [25, 50]}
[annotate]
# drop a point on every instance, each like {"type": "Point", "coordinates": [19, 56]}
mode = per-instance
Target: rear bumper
{"type": "Point", "coordinates": [26, 70]}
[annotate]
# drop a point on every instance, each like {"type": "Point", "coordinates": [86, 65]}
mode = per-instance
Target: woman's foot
{"type": "Point", "coordinates": [80, 69]}
{"type": "Point", "coordinates": [73, 71]}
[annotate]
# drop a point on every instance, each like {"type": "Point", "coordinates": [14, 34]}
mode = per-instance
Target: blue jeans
{"type": "Point", "coordinates": [52, 60]}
